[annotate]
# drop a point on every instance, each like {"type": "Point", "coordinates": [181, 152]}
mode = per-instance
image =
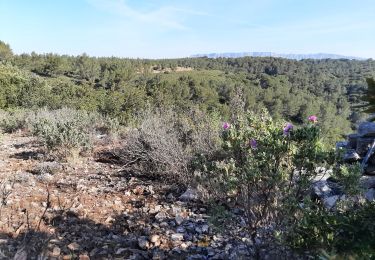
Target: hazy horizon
{"type": "Point", "coordinates": [166, 29]}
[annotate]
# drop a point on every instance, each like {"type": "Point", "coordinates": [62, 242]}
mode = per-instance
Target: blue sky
{"type": "Point", "coordinates": [165, 28]}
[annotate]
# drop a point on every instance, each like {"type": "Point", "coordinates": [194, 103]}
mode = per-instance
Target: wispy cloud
{"type": "Point", "coordinates": [165, 16]}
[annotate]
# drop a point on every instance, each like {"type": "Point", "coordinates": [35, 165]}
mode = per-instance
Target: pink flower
{"type": "Point", "coordinates": [226, 126]}
{"type": "Point", "coordinates": [253, 144]}
{"type": "Point", "coordinates": [313, 119]}
{"type": "Point", "coordinates": [288, 127]}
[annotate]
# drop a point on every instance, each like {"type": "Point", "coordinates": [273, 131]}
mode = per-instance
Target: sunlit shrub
{"type": "Point", "coordinates": [346, 234]}
{"type": "Point", "coordinates": [67, 130]}
{"type": "Point", "coordinates": [164, 143]}
{"type": "Point", "coordinates": [267, 167]}
{"type": "Point", "coordinates": [12, 121]}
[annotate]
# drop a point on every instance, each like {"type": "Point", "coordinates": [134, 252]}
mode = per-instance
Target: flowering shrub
{"type": "Point", "coordinates": [226, 126]}
{"type": "Point", "coordinates": [267, 166]}
{"type": "Point", "coordinates": [313, 119]}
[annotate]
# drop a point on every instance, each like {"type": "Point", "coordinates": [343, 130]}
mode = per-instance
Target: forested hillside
{"type": "Point", "coordinates": [192, 158]}
{"type": "Point", "coordinates": [122, 87]}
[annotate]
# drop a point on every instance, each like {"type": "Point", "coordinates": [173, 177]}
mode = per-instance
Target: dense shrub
{"type": "Point", "coordinates": [164, 143]}
{"type": "Point", "coordinates": [348, 176]}
{"type": "Point", "coordinates": [267, 167]}
{"type": "Point", "coordinates": [345, 234]}
{"type": "Point", "coordinates": [12, 121]}
{"type": "Point", "coordinates": [67, 130]}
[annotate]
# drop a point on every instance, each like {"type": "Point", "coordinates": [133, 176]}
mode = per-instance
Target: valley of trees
{"type": "Point", "coordinates": [119, 87]}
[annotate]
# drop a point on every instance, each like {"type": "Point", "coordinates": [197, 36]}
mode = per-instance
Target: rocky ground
{"type": "Point", "coordinates": [87, 209]}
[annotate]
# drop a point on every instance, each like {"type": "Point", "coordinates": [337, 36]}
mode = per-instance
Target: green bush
{"type": "Point", "coordinates": [12, 121]}
{"type": "Point", "coordinates": [348, 234]}
{"type": "Point", "coordinates": [67, 130]}
{"type": "Point", "coordinates": [267, 167]}
{"type": "Point", "coordinates": [348, 176]}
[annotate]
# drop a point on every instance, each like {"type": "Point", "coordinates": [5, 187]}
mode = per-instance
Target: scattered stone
{"type": "Point", "coordinates": [179, 219]}
{"type": "Point", "coordinates": [161, 216]}
{"type": "Point", "coordinates": [366, 129]}
{"type": "Point", "coordinates": [180, 229]}
{"type": "Point", "coordinates": [352, 141]}
{"type": "Point", "coordinates": [370, 170]}
{"type": "Point", "coordinates": [321, 189]}
{"type": "Point", "coordinates": [170, 196]}
{"type": "Point", "coordinates": [109, 220]}
{"type": "Point", "coordinates": [120, 251]}
{"type": "Point", "coordinates": [164, 224]}
{"type": "Point", "coordinates": [177, 237]}
{"type": "Point", "coordinates": [155, 239]}
{"type": "Point", "coordinates": [342, 145]}
{"type": "Point", "coordinates": [56, 251]}
{"type": "Point", "coordinates": [158, 255]}
{"type": "Point", "coordinates": [176, 209]}
{"type": "Point", "coordinates": [197, 257]}
{"type": "Point", "coordinates": [21, 254]}
{"type": "Point", "coordinates": [351, 156]}
{"type": "Point", "coordinates": [143, 243]}
{"type": "Point", "coordinates": [363, 144]}
{"type": "Point", "coordinates": [330, 202]}
{"type": "Point", "coordinates": [370, 194]}
{"type": "Point", "coordinates": [367, 182]}
{"type": "Point", "coordinates": [156, 209]}
{"type": "Point", "coordinates": [189, 195]}
{"type": "Point", "coordinates": [84, 257]}
{"type": "Point", "coordinates": [205, 228]}
{"type": "Point", "coordinates": [74, 246]}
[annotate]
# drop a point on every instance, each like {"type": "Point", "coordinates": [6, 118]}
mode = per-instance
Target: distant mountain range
{"type": "Point", "coordinates": [316, 56]}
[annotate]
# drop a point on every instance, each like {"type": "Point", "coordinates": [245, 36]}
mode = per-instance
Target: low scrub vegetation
{"type": "Point", "coordinates": [344, 234]}
{"type": "Point", "coordinates": [62, 132]}
{"type": "Point", "coordinates": [66, 130]}
{"type": "Point", "coordinates": [190, 129]}
{"type": "Point", "coordinates": [165, 142]}
{"type": "Point", "coordinates": [14, 120]}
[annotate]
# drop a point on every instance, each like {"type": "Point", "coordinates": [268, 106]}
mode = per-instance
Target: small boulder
{"type": "Point", "coordinates": [352, 141]}
{"type": "Point", "coordinates": [161, 216]}
{"type": "Point", "coordinates": [177, 237]}
{"type": "Point", "coordinates": [143, 243]}
{"type": "Point", "coordinates": [366, 129]}
{"type": "Point", "coordinates": [370, 195]}
{"type": "Point", "coordinates": [370, 170]}
{"type": "Point", "coordinates": [56, 251]}
{"type": "Point", "coordinates": [351, 156]}
{"type": "Point", "coordinates": [155, 239]}
{"type": "Point", "coordinates": [330, 202]}
{"type": "Point", "coordinates": [367, 182]}
{"type": "Point", "coordinates": [190, 195]}
{"type": "Point", "coordinates": [342, 145]}
{"type": "Point", "coordinates": [74, 246]}
{"type": "Point", "coordinates": [321, 189]}
{"type": "Point", "coordinates": [179, 219]}
{"type": "Point", "coordinates": [363, 144]}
